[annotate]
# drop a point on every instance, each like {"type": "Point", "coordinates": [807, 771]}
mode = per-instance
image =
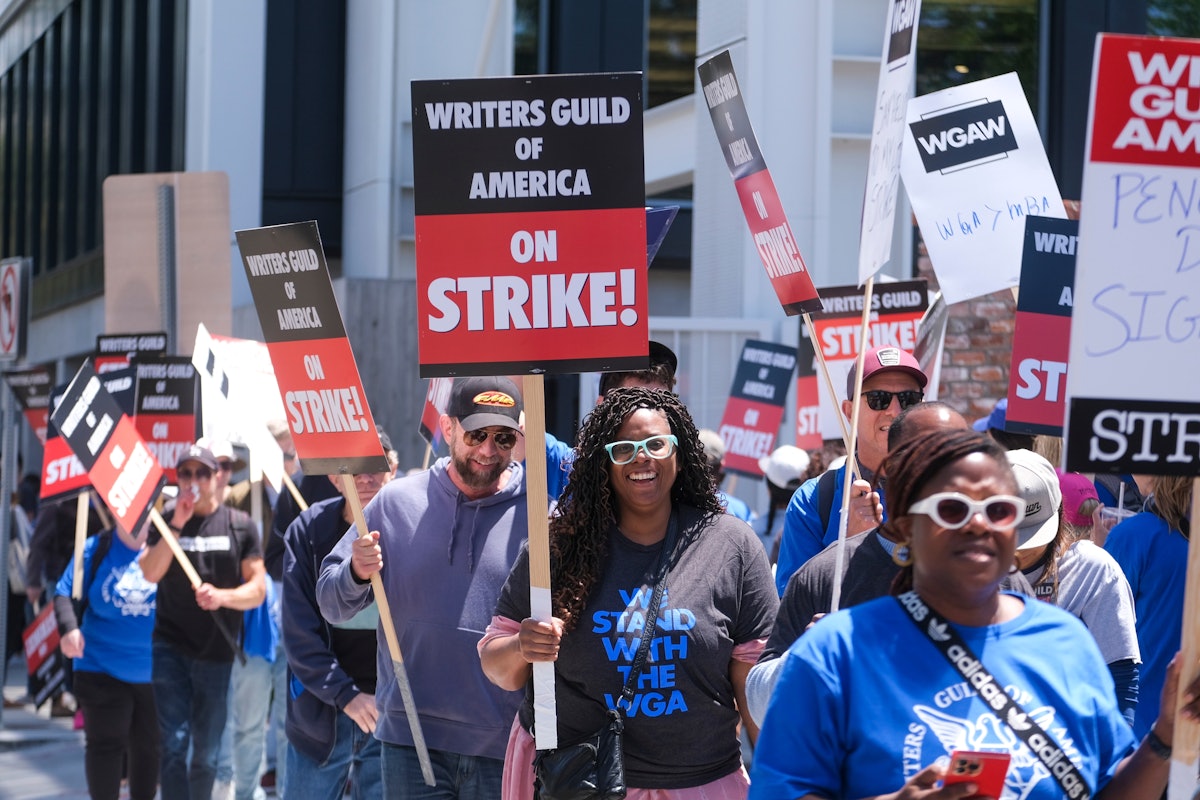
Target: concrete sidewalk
{"type": "Point", "coordinates": [40, 756]}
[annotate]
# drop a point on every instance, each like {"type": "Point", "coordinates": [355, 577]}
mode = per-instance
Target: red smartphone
{"type": "Point", "coordinates": [985, 770]}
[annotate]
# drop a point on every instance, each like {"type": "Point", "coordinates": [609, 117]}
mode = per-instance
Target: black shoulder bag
{"type": "Point", "coordinates": [594, 769]}
{"type": "Point", "coordinates": [963, 659]}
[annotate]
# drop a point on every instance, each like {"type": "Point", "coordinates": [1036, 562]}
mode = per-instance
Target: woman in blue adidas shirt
{"type": "Point", "coordinates": [869, 706]}
{"type": "Point", "coordinates": [111, 648]}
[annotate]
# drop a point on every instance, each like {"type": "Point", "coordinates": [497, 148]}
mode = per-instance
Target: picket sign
{"type": "Point", "coordinates": [545, 713]}
{"type": "Point", "coordinates": [1185, 749]}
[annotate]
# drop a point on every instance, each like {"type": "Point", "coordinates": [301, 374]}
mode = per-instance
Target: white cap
{"type": "Point", "coordinates": [1037, 484]}
{"type": "Point", "coordinates": [786, 464]}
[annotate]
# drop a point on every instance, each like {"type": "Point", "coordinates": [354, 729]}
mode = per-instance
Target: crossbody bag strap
{"type": "Point", "coordinates": [952, 646]}
{"type": "Point", "coordinates": [648, 630]}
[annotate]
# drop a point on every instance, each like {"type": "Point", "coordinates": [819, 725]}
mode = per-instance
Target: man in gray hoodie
{"type": "Point", "coordinates": [443, 542]}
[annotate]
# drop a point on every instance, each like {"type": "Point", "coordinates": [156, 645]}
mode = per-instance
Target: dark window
{"type": "Point", "coordinates": [1173, 18]}
{"type": "Point", "coordinates": [304, 113]}
{"type": "Point", "coordinates": [656, 37]}
{"type": "Point", "coordinates": [96, 94]}
{"type": "Point", "coordinates": [961, 42]}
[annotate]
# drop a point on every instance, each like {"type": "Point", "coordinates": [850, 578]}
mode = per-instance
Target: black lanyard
{"type": "Point", "coordinates": [963, 659]}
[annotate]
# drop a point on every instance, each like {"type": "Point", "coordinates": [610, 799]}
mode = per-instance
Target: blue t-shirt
{"type": "Point", "coordinates": [865, 701]}
{"type": "Point", "coordinates": [559, 458]}
{"type": "Point", "coordinates": [1154, 560]}
{"type": "Point", "coordinates": [119, 621]}
{"type": "Point", "coordinates": [736, 507]}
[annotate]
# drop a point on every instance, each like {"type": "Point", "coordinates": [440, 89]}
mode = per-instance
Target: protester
{"type": "Point", "coordinates": [1081, 505]}
{"type": "Point", "coordinates": [445, 540]}
{"type": "Point", "coordinates": [196, 629]}
{"type": "Point", "coordinates": [994, 426]}
{"type": "Point", "coordinates": [1075, 575]}
{"type": "Point", "coordinates": [331, 714]}
{"type": "Point", "coordinates": [240, 757]}
{"type": "Point", "coordinates": [640, 480]}
{"type": "Point", "coordinates": [714, 455]}
{"type": "Point", "coordinates": [660, 374]}
{"type": "Point", "coordinates": [110, 644]}
{"type": "Point", "coordinates": [1152, 550]}
{"type": "Point", "coordinates": [51, 549]}
{"type": "Point", "coordinates": [892, 381]}
{"type": "Point", "coordinates": [880, 676]}
{"type": "Point", "coordinates": [785, 469]}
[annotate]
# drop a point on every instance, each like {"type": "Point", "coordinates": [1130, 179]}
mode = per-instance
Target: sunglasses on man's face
{"type": "Point", "coordinates": [505, 440]}
{"type": "Point", "coordinates": [879, 400]}
{"type": "Point", "coordinates": [200, 473]}
{"type": "Point", "coordinates": [226, 466]}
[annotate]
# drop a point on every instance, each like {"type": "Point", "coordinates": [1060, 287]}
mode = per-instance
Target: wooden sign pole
{"type": "Point", "coordinates": [851, 458]}
{"type": "Point", "coordinates": [1186, 747]}
{"type": "Point", "coordinates": [81, 521]}
{"type": "Point", "coordinates": [545, 714]}
{"type": "Point", "coordinates": [393, 642]}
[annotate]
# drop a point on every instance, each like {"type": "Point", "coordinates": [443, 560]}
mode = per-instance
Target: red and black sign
{"type": "Point", "coordinates": [777, 246]}
{"type": "Point", "coordinates": [43, 658]}
{"type": "Point", "coordinates": [318, 378]}
{"type": "Point", "coordinates": [1042, 338]}
{"type": "Point", "coordinates": [116, 350]}
{"type": "Point", "coordinates": [63, 476]}
{"type": "Point", "coordinates": [436, 397]}
{"type": "Point", "coordinates": [755, 406]}
{"type": "Point", "coordinates": [808, 396]}
{"type": "Point", "coordinates": [120, 465]}
{"type": "Point", "coordinates": [32, 390]}
{"type": "Point", "coordinates": [166, 399]}
{"type": "Point", "coordinates": [530, 224]}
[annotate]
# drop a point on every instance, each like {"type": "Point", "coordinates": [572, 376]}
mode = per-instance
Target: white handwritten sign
{"type": "Point", "coordinates": [974, 168]}
{"type": "Point", "coordinates": [896, 69]}
{"type": "Point", "coordinates": [1133, 390]}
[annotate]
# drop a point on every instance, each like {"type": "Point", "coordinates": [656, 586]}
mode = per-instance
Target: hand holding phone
{"type": "Point", "coordinates": [986, 770]}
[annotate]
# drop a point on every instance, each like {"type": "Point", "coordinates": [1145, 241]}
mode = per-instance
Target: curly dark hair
{"type": "Point", "coordinates": [912, 465]}
{"type": "Point", "coordinates": [586, 510]}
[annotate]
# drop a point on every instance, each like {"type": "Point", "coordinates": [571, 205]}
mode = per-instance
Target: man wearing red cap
{"type": "Point", "coordinates": [892, 381]}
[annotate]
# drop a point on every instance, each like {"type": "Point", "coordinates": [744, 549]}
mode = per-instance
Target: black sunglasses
{"type": "Point", "coordinates": [879, 400]}
{"type": "Point", "coordinates": [200, 473]}
{"type": "Point", "coordinates": [505, 440]}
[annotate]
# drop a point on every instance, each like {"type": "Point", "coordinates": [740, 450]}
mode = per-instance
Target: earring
{"type": "Point", "coordinates": [902, 555]}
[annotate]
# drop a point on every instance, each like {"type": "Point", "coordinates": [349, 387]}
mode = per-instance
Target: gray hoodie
{"type": "Point", "coordinates": [445, 559]}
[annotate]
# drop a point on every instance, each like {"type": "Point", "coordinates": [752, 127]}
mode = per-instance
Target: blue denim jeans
{"type": "Point", "coordinates": [352, 749]}
{"type": "Point", "coordinates": [250, 699]}
{"type": "Point", "coordinates": [458, 777]}
{"type": "Point", "coordinates": [191, 697]}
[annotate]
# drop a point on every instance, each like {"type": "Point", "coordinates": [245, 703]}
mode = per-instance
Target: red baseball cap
{"type": "Point", "coordinates": [886, 359]}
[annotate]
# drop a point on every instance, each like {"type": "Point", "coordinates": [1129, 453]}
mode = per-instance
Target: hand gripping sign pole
{"type": "Point", "coordinates": [331, 423]}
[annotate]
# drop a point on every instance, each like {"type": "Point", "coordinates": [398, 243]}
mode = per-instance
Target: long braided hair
{"type": "Point", "coordinates": [587, 508]}
{"type": "Point", "coordinates": [912, 465]}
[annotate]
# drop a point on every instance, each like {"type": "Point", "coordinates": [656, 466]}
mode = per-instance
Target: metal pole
{"type": "Point", "coordinates": [8, 485]}
{"type": "Point", "coordinates": [166, 264]}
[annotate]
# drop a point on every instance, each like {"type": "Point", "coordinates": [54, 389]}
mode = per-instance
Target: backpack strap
{"type": "Point", "coordinates": [826, 487]}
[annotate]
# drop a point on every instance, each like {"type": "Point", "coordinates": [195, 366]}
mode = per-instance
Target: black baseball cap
{"type": "Point", "coordinates": [482, 401]}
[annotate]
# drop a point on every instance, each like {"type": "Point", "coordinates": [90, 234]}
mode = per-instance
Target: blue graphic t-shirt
{"type": "Point", "coordinates": [681, 725]}
{"type": "Point", "coordinates": [119, 621]}
{"type": "Point", "coordinates": [865, 701]}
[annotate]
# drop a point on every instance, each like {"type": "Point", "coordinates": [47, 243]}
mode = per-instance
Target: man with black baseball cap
{"type": "Point", "coordinates": [892, 381]}
{"type": "Point", "coordinates": [443, 541]}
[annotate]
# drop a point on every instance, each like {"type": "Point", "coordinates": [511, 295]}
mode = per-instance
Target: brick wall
{"type": "Point", "coordinates": [978, 348]}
